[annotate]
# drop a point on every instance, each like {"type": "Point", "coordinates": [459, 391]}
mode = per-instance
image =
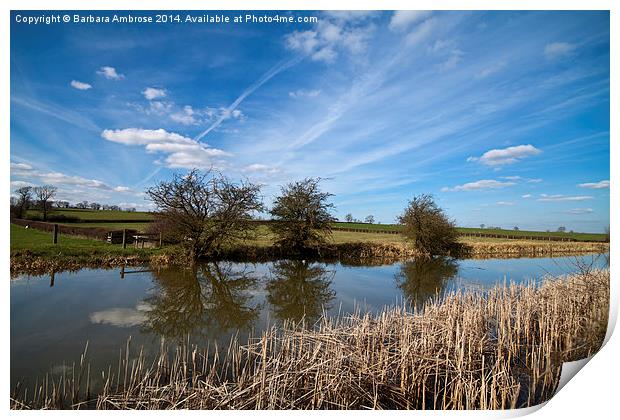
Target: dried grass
{"type": "Point", "coordinates": [468, 350]}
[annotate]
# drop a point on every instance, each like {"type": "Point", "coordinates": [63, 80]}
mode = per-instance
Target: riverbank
{"type": "Point", "coordinates": [468, 350]}
{"type": "Point", "coordinates": [33, 253]}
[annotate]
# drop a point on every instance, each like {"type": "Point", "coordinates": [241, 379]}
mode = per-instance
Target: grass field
{"type": "Point", "coordinates": [116, 220]}
{"type": "Point", "coordinates": [39, 243]}
{"type": "Point", "coordinates": [108, 215]}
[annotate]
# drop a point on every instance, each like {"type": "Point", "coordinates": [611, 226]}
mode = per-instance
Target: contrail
{"type": "Point", "coordinates": [275, 70]}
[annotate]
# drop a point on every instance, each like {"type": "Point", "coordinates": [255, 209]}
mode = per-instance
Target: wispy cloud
{"type": "Point", "coordinates": [110, 73]}
{"type": "Point", "coordinates": [595, 185]}
{"type": "Point", "coordinates": [559, 49]}
{"type": "Point", "coordinates": [303, 93]}
{"type": "Point", "coordinates": [483, 184]}
{"type": "Point", "coordinates": [80, 85]}
{"type": "Point", "coordinates": [561, 197]}
{"type": "Point", "coordinates": [403, 19]}
{"type": "Point", "coordinates": [506, 156]}
{"type": "Point", "coordinates": [580, 211]}
{"type": "Point", "coordinates": [229, 111]}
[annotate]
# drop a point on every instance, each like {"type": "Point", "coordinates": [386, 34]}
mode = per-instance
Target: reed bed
{"type": "Point", "coordinates": [498, 349]}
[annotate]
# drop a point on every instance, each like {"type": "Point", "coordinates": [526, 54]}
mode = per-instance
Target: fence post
{"type": "Point", "coordinates": [55, 240]}
{"type": "Point", "coordinates": [124, 238]}
{"type": "Point", "coordinates": [160, 239]}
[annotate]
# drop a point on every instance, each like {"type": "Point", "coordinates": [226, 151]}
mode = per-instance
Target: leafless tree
{"type": "Point", "coordinates": [369, 219]}
{"type": "Point", "coordinates": [95, 206]}
{"type": "Point", "coordinates": [24, 195]}
{"type": "Point", "coordinates": [204, 210]}
{"type": "Point", "coordinates": [348, 218]}
{"type": "Point", "coordinates": [428, 227]}
{"type": "Point", "coordinates": [44, 194]}
{"type": "Point", "coordinates": [302, 215]}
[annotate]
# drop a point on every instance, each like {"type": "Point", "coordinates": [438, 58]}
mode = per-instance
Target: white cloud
{"type": "Point", "coordinates": [403, 19]}
{"type": "Point", "coordinates": [183, 152]}
{"type": "Point", "coordinates": [121, 317]}
{"type": "Point", "coordinates": [120, 188]}
{"type": "Point", "coordinates": [80, 85]}
{"type": "Point", "coordinates": [258, 167]}
{"type": "Point", "coordinates": [483, 184]}
{"type": "Point", "coordinates": [110, 73]}
{"type": "Point", "coordinates": [506, 156]}
{"type": "Point", "coordinates": [595, 185]}
{"type": "Point", "coordinates": [302, 93]}
{"type": "Point", "coordinates": [560, 197]}
{"type": "Point", "coordinates": [580, 211]}
{"type": "Point", "coordinates": [506, 203]}
{"type": "Point", "coordinates": [151, 93]}
{"type": "Point", "coordinates": [19, 184]}
{"type": "Point", "coordinates": [559, 49]}
{"type": "Point", "coordinates": [328, 38]}
{"type": "Point", "coordinates": [20, 166]}
{"type": "Point", "coordinates": [526, 196]}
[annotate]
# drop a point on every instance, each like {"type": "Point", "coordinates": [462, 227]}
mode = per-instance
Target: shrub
{"type": "Point", "coordinates": [302, 215]}
{"type": "Point", "coordinates": [428, 227]}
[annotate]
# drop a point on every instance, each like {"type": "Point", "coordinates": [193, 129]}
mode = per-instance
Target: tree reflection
{"type": "Point", "coordinates": [422, 279]}
{"type": "Point", "coordinates": [207, 299]}
{"type": "Point", "coordinates": [299, 289]}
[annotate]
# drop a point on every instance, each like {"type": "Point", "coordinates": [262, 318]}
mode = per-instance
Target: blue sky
{"type": "Point", "coordinates": [502, 116]}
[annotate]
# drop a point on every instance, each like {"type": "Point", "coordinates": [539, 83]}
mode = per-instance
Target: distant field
{"type": "Point", "coordinates": [107, 215]}
{"type": "Point", "coordinates": [574, 235]}
{"type": "Point", "coordinates": [123, 220]}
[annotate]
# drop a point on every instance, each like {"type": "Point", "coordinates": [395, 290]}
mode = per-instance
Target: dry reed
{"type": "Point", "coordinates": [467, 350]}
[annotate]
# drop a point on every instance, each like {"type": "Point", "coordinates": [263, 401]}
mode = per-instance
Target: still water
{"type": "Point", "coordinates": [53, 317]}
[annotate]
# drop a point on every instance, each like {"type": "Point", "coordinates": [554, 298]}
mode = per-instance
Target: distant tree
{"type": "Point", "coordinates": [369, 219]}
{"type": "Point", "coordinates": [482, 225]}
{"type": "Point", "coordinates": [24, 197]}
{"type": "Point", "coordinates": [348, 218]}
{"type": "Point", "coordinates": [131, 209]}
{"type": "Point", "coordinates": [95, 206]}
{"type": "Point", "coordinates": [562, 229]}
{"type": "Point", "coordinates": [302, 214]}
{"type": "Point", "coordinates": [82, 205]}
{"type": "Point", "coordinates": [114, 207]}
{"type": "Point", "coordinates": [428, 227]}
{"type": "Point", "coordinates": [516, 228]}
{"type": "Point", "coordinates": [44, 194]}
{"type": "Point", "coordinates": [61, 204]}
{"type": "Point", "coordinates": [203, 211]}
{"type": "Point", "coordinates": [607, 237]}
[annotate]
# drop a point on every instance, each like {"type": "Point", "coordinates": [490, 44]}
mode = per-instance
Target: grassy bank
{"type": "Point", "coordinates": [468, 350]}
{"type": "Point", "coordinates": [32, 251]}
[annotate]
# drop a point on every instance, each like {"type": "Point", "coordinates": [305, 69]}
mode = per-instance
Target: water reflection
{"type": "Point", "coordinates": [299, 289]}
{"type": "Point", "coordinates": [205, 300]}
{"type": "Point", "coordinates": [422, 279]}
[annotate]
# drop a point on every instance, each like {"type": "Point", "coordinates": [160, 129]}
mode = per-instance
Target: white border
{"type": "Point", "coordinates": [592, 393]}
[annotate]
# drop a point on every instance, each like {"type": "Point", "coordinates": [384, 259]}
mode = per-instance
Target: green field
{"type": "Point", "coordinates": [572, 235]}
{"type": "Point", "coordinates": [115, 220]}
{"type": "Point", "coordinates": [39, 243]}
{"type": "Point", "coordinates": [104, 215]}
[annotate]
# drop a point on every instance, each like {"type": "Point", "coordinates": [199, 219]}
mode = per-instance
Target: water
{"type": "Point", "coordinates": [53, 317]}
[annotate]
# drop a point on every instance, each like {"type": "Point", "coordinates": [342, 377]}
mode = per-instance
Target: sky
{"type": "Point", "coordinates": [502, 116]}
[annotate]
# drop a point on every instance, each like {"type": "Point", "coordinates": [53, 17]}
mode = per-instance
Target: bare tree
{"type": "Point", "coordinates": [516, 228]}
{"type": "Point", "coordinates": [302, 214]}
{"type": "Point", "coordinates": [562, 229]}
{"type": "Point", "coordinates": [204, 211]}
{"type": "Point", "coordinates": [44, 194]}
{"type": "Point", "coordinates": [24, 195]}
{"type": "Point", "coordinates": [482, 225]}
{"type": "Point", "coordinates": [369, 219]}
{"type": "Point", "coordinates": [428, 227]}
{"type": "Point", "coordinates": [348, 218]}
{"type": "Point", "coordinates": [95, 206]}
